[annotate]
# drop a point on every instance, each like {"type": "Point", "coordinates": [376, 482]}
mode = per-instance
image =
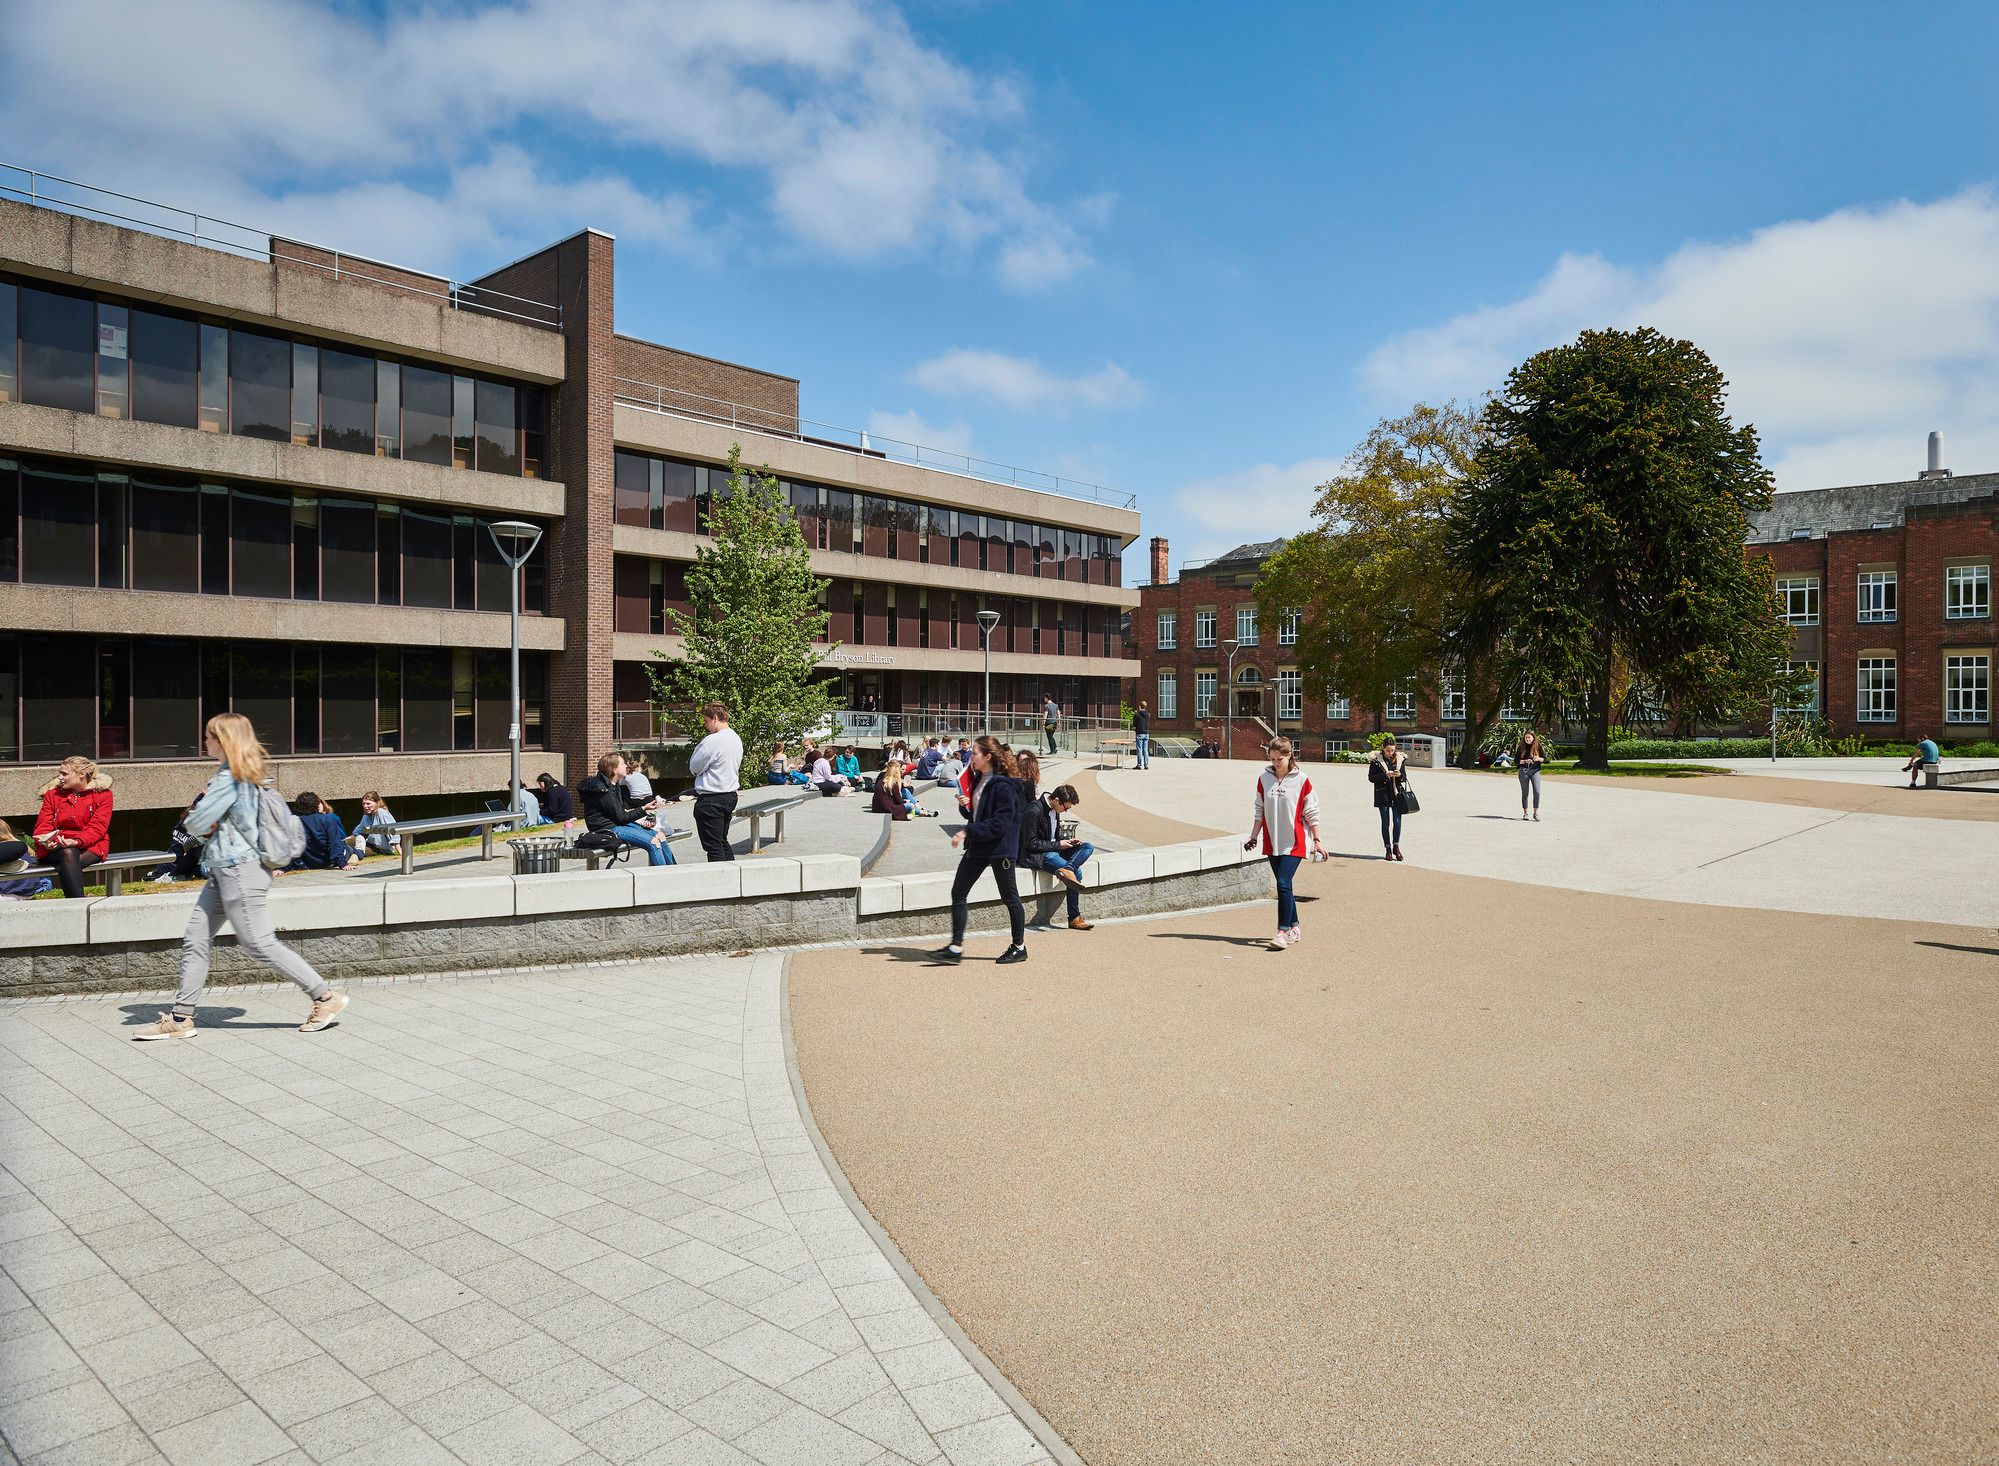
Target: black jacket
{"type": "Point", "coordinates": [1141, 722]}
{"type": "Point", "coordinates": [1040, 830]}
{"type": "Point", "coordinates": [556, 804]}
{"type": "Point", "coordinates": [1385, 788]}
{"type": "Point", "coordinates": [996, 831]}
{"type": "Point", "coordinates": [605, 805]}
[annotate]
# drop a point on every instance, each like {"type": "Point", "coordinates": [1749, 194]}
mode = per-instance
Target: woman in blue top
{"type": "Point", "coordinates": [326, 845]}
{"type": "Point", "coordinates": [990, 840]}
{"type": "Point", "coordinates": [225, 820]}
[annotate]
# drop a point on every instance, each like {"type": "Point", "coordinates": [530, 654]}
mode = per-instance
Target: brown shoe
{"type": "Point", "coordinates": [1077, 924]}
{"type": "Point", "coordinates": [1065, 874]}
{"type": "Point", "coordinates": [324, 1011]}
{"type": "Point", "coordinates": [169, 1025]}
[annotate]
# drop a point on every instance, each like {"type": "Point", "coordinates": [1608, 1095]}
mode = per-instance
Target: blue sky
{"type": "Point", "coordinates": [1157, 246]}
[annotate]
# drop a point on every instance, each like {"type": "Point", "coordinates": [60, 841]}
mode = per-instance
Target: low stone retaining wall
{"type": "Point", "coordinates": [375, 928]}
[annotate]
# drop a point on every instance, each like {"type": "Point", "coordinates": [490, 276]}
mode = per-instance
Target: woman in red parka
{"type": "Point", "coordinates": [74, 827]}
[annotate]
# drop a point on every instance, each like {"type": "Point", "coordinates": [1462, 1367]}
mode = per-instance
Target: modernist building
{"type": "Point", "coordinates": [261, 481]}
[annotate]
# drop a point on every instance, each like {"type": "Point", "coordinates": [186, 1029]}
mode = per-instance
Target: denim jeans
{"type": "Point", "coordinates": [639, 837]}
{"type": "Point", "coordinates": [1054, 860]}
{"type": "Point", "coordinates": [1391, 813]}
{"type": "Point", "coordinates": [1284, 867]}
{"type": "Point", "coordinates": [1143, 741]}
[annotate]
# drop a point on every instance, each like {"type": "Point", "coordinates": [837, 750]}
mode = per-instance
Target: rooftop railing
{"type": "Point", "coordinates": [67, 195]}
{"type": "Point", "coordinates": [677, 402]}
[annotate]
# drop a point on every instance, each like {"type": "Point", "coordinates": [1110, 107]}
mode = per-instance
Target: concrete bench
{"type": "Point", "coordinates": [407, 831]}
{"type": "Point", "coordinates": [773, 809]}
{"type": "Point", "coordinates": [113, 867]}
{"type": "Point", "coordinates": [1934, 776]}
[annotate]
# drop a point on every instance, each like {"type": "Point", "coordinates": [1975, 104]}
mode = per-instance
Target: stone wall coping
{"type": "Point", "coordinates": [363, 903]}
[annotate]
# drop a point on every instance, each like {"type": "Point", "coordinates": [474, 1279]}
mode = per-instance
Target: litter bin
{"type": "Point", "coordinates": [537, 854]}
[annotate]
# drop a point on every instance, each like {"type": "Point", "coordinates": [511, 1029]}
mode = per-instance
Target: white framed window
{"type": "Point", "coordinates": [1204, 694]}
{"type": "Point", "coordinates": [1799, 595]}
{"type": "Point", "coordinates": [1338, 708]}
{"type": "Point", "coordinates": [1452, 698]}
{"type": "Point", "coordinates": [1245, 626]}
{"type": "Point", "coordinates": [1204, 627]}
{"type": "Point", "coordinates": [1169, 631]}
{"type": "Point", "coordinates": [1515, 711]}
{"type": "Point", "coordinates": [1169, 695]}
{"type": "Point", "coordinates": [1287, 629]}
{"type": "Point", "coordinates": [1967, 687]}
{"type": "Point", "coordinates": [1810, 702]}
{"type": "Point", "coordinates": [1290, 696]}
{"type": "Point", "coordinates": [1877, 595]}
{"type": "Point", "coordinates": [1967, 592]}
{"type": "Point", "coordinates": [1401, 704]}
{"type": "Point", "coordinates": [1876, 690]}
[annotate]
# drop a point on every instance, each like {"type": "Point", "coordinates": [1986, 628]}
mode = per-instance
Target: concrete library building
{"type": "Point", "coordinates": [255, 474]}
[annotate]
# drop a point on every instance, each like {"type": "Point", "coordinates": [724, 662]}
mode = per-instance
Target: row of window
{"type": "Point", "coordinates": [96, 354]}
{"type": "Point", "coordinates": [1967, 688]}
{"type": "Point", "coordinates": [76, 524]}
{"type": "Point", "coordinates": [672, 493]}
{"type": "Point", "coordinates": [1167, 628]}
{"type": "Point", "coordinates": [896, 693]}
{"type": "Point", "coordinates": [1967, 595]}
{"type": "Point", "coordinates": [141, 697]}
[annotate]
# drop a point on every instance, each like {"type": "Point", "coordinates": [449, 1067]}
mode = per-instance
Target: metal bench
{"type": "Point", "coordinates": [568, 850]}
{"type": "Point", "coordinates": [407, 831]}
{"type": "Point", "coordinates": [775, 810]}
{"type": "Point", "coordinates": [113, 868]}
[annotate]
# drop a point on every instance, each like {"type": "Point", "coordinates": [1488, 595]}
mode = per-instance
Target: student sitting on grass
{"type": "Point", "coordinates": [325, 837]}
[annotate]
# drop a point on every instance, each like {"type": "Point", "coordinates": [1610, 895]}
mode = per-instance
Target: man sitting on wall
{"type": "Point", "coordinates": [1046, 849]}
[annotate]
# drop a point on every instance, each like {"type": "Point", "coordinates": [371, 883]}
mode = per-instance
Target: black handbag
{"type": "Point", "coordinates": [1408, 797]}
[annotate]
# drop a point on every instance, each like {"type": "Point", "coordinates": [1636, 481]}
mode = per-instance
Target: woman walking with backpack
{"type": "Point", "coordinates": [990, 839]}
{"type": "Point", "coordinates": [1388, 772]}
{"type": "Point", "coordinates": [225, 818]}
{"type": "Point", "coordinates": [1287, 812]}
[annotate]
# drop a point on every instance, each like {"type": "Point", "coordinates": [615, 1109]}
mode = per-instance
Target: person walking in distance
{"type": "Point", "coordinates": [1528, 756]}
{"type": "Point", "coordinates": [990, 840]}
{"type": "Point", "coordinates": [717, 766]}
{"type": "Point", "coordinates": [1141, 735]}
{"type": "Point", "coordinates": [1287, 821]}
{"type": "Point", "coordinates": [225, 819]}
{"type": "Point", "coordinates": [1388, 772]}
{"type": "Point", "coordinates": [1051, 719]}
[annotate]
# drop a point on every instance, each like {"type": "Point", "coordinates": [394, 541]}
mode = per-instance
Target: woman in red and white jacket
{"type": "Point", "coordinates": [74, 827]}
{"type": "Point", "coordinates": [1287, 814]}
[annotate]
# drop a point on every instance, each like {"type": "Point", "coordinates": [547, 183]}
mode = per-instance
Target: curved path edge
{"type": "Point", "coordinates": [1050, 1438]}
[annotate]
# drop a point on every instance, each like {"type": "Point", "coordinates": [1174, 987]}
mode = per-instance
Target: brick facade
{"type": "Point", "coordinates": [701, 384]}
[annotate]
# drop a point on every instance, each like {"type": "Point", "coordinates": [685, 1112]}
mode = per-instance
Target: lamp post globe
{"type": "Point", "coordinates": [515, 541]}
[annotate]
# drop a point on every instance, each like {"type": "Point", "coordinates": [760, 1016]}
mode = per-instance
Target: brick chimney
{"type": "Point", "coordinates": [1159, 565]}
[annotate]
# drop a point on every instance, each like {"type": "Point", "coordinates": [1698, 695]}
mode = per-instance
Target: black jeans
{"type": "Point", "coordinates": [712, 813]}
{"type": "Point", "coordinates": [1049, 729]}
{"type": "Point", "coordinates": [69, 861]}
{"type": "Point", "coordinates": [970, 868]}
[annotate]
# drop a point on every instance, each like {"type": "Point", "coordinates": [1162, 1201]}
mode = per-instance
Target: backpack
{"type": "Point", "coordinates": [280, 833]}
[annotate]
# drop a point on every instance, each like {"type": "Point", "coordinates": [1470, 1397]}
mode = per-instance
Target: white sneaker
{"type": "Point", "coordinates": [1281, 941]}
{"type": "Point", "coordinates": [1297, 935]}
{"type": "Point", "coordinates": [323, 1012]}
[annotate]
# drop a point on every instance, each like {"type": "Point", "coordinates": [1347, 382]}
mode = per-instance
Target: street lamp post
{"type": "Point", "coordinates": [987, 621]}
{"type": "Point", "coordinates": [515, 541]}
{"type": "Point", "coordinates": [1228, 698]}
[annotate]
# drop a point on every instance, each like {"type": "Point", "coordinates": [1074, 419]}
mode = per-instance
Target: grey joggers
{"type": "Point", "coordinates": [235, 894]}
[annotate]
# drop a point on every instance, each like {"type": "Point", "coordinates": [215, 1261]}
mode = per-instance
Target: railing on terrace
{"type": "Point", "coordinates": [677, 402]}
{"type": "Point", "coordinates": [638, 726]}
{"type": "Point", "coordinates": [67, 195]}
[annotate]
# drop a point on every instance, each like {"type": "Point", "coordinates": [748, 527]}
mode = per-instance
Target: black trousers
{"type": "Point", "coordinates": [69, 861]}
{"type": "Point", "coordinates": [712, 813]}
{"type": "Point", "coordinates": [970, 868]}
{"type": "Point", "coordinates": [1049, 729]}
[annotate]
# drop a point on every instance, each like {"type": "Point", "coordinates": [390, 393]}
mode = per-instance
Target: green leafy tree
{"type": "Point", "coordinates": [750, 636]}
{"type": "Point", "coordinates": [1606, 518]}
{"type": "Point", "coordinates": [1381, 608]}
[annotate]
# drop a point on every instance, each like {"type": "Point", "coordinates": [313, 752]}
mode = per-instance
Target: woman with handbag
{"type": "Point", "coordinates": [1388, 772]}
{"type": "Point", "coordinates": [990, 840]}
{"type": "Point", "coordinates": [1527, 760]}
{"type": "Point", "coordinates": [1287, 812]}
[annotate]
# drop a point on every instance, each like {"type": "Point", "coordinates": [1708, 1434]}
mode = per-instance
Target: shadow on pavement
{"type": "Point", "coordinates": [1209, 937]}
{"type": "Point", "coordinates": [141, 1013]}
{"type": "Point", "coordinates": [1955, 947]}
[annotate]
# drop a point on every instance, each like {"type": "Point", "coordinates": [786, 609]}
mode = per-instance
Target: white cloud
{"type": "Point", "coordinates": [1261, 502]}
{"type": "Point", "coordinates": [1022, 382]}
{"type": "Point", "coordinates": [1845, 339]}
{"type": "Point", "coordinates": [860, 139]}
{"type": "Point", "coordinates": [910, 428]}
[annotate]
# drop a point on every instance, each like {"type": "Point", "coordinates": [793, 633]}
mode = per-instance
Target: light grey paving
{"type": "Point", "coordinates": [560, 1216]}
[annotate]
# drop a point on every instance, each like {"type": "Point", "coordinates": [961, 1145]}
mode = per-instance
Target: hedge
{"type": "Point", "coordinates": [1691, 748]}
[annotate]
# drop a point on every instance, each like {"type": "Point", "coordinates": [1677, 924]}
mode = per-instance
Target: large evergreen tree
{"type": "Point", "coordinates": [755, 616]}
{"type": "Point", "coordinates": [1607, 518]}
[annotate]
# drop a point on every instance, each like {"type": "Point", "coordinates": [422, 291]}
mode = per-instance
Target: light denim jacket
{"type": "Point", "coordinates": [225, 817]}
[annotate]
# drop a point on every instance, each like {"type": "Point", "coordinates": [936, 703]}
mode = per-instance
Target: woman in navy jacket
{"type": "Point", "coordinates": [991, 838]}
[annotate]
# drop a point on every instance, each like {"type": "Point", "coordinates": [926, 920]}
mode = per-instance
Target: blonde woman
{"type": "Point", "coordinates": [225, 819]}
{"type": "Point", "coordinates": [1287, 813]}
{"type": "Point", "coordinates": [73, 829]}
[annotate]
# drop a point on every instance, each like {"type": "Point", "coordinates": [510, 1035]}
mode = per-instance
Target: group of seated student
{"type": "Point", "coordinates": [618, 802]}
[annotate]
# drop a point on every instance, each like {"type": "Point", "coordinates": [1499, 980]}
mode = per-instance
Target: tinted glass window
{"type": "Point", "coordinates": [260, 688]}
{"type": "Point", "coordinates": [388, 409]}
{"type": "Point", "coordinates": [59, 697]}
{"type": "Point", "coordinates": [58, 350]}
{"type": "Point", "coordinates": [166, 699]}
{"type": "Point", "coordinates": [260, 386]}
{"type": "Point", "coordinates": [111, 488]}
{"type": "Point", "coordinates": [462, 430]}
{"type": "Point", "coordinates": [492, 699]}
{"type": "Point", "coordinates": [215, 541]}
{"type": "Point", "coordinates": [630, 489]}
{"type": "Point", "coordinates": [346, 401]}
{"type": "Point", "coordinates": [426, 416]}
{"type": "Point", "coordinates": [305, 395]}
{"type": "Point", "coordinates": [10, 692]}
{"type": "Point", "coordinates": [260, 542]}
{"type": "Point", "coordinates": [837, 515]}
{"type": "Point", "coordinates": [10, 531]}
{"type": "Point", "coordinates": [214, 391]}
{"type": "Point", "coordinates": [305, 699]}
{"type": "Point", "coordinates": [388, 555]}
{"type": "Point", "coordinates": [58, 526]}
{"type": "Point", "coordinates": [347, 699]}
{"type": "Point", "coordinates": [10, 361]}
{"type": "Point", "coordinates": [388, 699]}
{"type": "Point", "coordinates": [426, 559]}
{"type": "Point", "coordinates": [494, 594]}
{"type": "Point", "coordinates": [426, 700]}
{"type": "Point", "coordinates": [346, 550]}
{"type": "Point", "coordinates": [305, 549]}
{"type": "Point", "coordinates": [165, 369]}
{"type": "Point", "coordinates": [114, 361]}
{"type": "Point", "coordinates": [677, 496]}
{"type": "Point", "coordinates": [498, 414]}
